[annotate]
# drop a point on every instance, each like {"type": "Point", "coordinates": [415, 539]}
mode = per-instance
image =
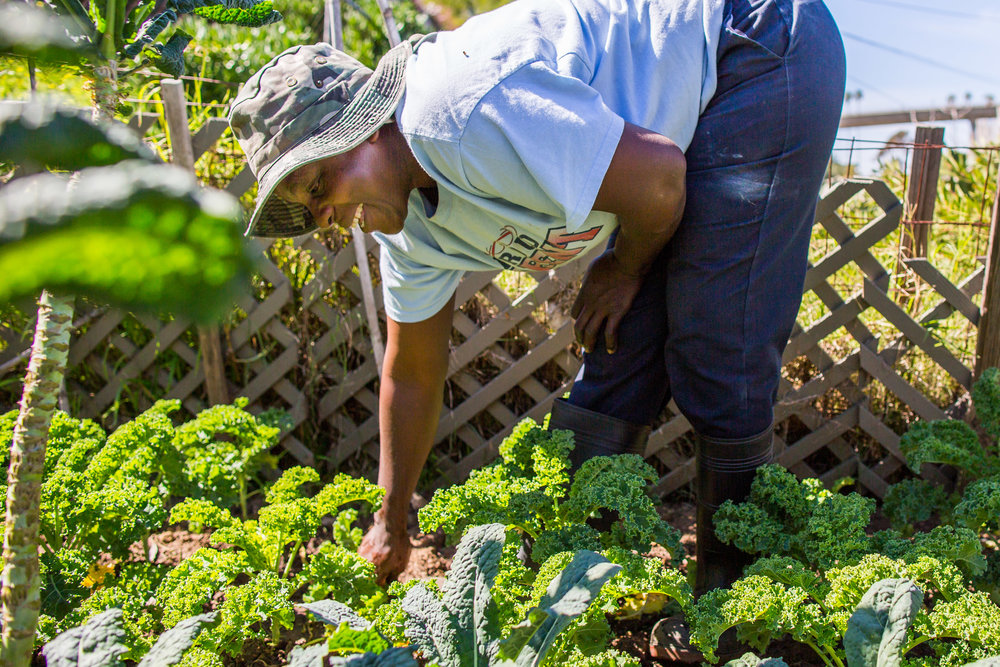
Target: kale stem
{"type": "Point", "coordinates": [821, 652]}
{"type": "Point", "coordinates": [243, 496]}
{"type": "Point", "coordinates": [291, 558]}
{"type": "Point", "coordinates": [913, 644]}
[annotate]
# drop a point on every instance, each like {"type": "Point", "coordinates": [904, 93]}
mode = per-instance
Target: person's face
{"type": "Point", "coordinates": [358, 186]}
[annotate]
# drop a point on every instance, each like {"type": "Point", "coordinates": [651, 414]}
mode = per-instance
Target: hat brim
{"type": "Point", "coordinates": [373, 105]}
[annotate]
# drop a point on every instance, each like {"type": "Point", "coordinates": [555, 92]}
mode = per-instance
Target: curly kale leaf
{"type": "Point", "coordinates": [790, 572]}
{"type": "Point", "coordinates": [960, 546]}
{"type": "Point", "coordinates": [770, 608]}
{"type": "Point", "coordinates": [986, 398]}
{"type": "Point", "coordinates": [947, 441]}
{"type": "Point", "coordinates": [619, 483]}
{"type": "Point", "coordinates": [222, 448]}
{"type": "Point", "coordinates": [522, 489]}
{"type": "Point", "coordinates": [979, 508]}
{"type": "Point", "coordinates": [250, 611]}
{"type": "Point", "coordinates": [346, 489]}
{"type": "Point", "coordinates": [972, 617]}
{"type": "Point", "coordinates": [190, 586]}
{"type": "Point", "coordinates": [569, 538]}
{"type": "Point", "coordinates": [784, 516]}
{"type": "Point", "coordinates": [989, 581]}
{"type": "Point", "coordinates": [255, 16]}
{"type": "Point", "coordinates": [912, 501]}
{"type": "Point", "coordinates": [341, 574]}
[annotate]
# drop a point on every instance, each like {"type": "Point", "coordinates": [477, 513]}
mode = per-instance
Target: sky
{"type": "Point", "coordinates": [915, 54]}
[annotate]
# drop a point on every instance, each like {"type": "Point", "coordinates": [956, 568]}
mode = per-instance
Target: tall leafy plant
{"type": "Point", "coordinates": [137, 234]}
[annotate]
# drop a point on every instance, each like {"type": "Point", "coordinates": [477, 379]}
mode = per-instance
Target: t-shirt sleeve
{"type": "Point", "coordinates": [413, 292]}
{"type": "Point", "coordinates": [542, 140]}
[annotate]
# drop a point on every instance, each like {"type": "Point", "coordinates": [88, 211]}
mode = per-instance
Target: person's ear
{"type": "Point", "coordinates": [374, 137]}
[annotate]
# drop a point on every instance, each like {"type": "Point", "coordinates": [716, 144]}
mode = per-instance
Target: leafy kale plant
{"type": "Point", "coordinates": [529, 488]}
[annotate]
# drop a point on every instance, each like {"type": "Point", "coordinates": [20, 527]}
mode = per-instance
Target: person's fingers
{"type": "Point", "coordinates": [611, 332]}
{"type": "Point", "coordinates": [591, 331]}
{"type": "Point", "coordinates": [580, 327]}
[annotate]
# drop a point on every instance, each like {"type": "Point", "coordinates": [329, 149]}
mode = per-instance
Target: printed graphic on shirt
{"type": "Point", "coordinates": [522, 251]}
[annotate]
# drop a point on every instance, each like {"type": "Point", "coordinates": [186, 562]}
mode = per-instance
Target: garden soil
{"type": "Point", "coordinates": [431, 559]}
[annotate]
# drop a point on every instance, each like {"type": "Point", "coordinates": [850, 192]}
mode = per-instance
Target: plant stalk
{"type": "Point", "coordinates": [291, 559]}
{"type": "Point", "coordinates": [20, 578]}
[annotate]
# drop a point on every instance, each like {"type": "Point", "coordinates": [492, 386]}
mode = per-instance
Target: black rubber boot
{"type": "Point", "coordinates": [725, 470]}
{"type": "Point", "coordinates": [596, 434]}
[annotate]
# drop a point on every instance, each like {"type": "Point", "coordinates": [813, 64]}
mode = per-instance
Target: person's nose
{"type": "Point", "coordinates": [323, 215]}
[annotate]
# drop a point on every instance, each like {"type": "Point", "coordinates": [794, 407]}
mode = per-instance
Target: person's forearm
{"type": "Point", "coordinates": [408, 415]}
{"type": "Point", "coordinates": [410, 399]}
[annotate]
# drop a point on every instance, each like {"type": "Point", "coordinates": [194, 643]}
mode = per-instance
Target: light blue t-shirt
{"type": "Point", "coordinates": [517, 114]}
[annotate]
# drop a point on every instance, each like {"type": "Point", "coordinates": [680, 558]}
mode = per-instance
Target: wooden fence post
{"type": "Point", "coordinates": [209, 344]}
{"type": "Point", "coordinates": [922, 190]}
{"type": "Point", "coordinates": [988, 339]}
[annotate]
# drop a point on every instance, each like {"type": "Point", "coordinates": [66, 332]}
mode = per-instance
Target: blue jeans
{"type": "Point", "coordinates": [713, 316]}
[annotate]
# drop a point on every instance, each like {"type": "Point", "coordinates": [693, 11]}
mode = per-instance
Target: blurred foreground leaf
{"type": "Point", "coordinates": [138, 235]}
{"type": "Point", "coordinates": [27, 30]}
{"type": "Point", "coordinates": [37, 135]}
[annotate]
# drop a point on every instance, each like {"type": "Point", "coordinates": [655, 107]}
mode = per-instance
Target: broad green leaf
{"type": "Point", "coordinates": [170, 647]}
{"type": "Point", "coordinates": [37, 135]}
{"type": "Point", "coordinates": [429, 625]}
{"type": "Point", "coordinates": [138, 235]}
{"type": "Point", "coordinates": [876, 631]}
{"type": "Point", "coordinates": [331, 612]}
{"type": "Point", "coordinates": [169, 57]}
{"type": "Point", "coordinates": [308, 656]}
{"type": "Point", "coordinates": [27, 30]}
{"type": "Point", "coordinates": [568, 596]}
{"type": "Point", "coordinates": [467, 594]}
{"type": "Point", "coordinates": [400, 656]}
{"type": "Point", "coordinates": [97, 642]}
{"type": "Point", "coordinates": [751, 660]}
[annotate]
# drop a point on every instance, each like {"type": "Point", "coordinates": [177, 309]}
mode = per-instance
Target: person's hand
{"type": "Point", "coordinates": [389, 550]}
{"type": "Point", "coordinates": [605, 296]}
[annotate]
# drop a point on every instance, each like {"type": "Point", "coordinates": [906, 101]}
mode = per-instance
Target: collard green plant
{"type": "Point", "coordinates": [462, 625]}
{"type": "Point", "coordinates": [129, 31]}
{"type": "Point", "coordinates": [529, 488]}
{"type": "Point", "coordinates": [100, 642]}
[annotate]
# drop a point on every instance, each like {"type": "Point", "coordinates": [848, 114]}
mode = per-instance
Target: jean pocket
{"type": "Point", "coordinates": [737, 38]}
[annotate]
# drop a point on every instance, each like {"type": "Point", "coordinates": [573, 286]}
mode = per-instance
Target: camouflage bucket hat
{"type": "Point", "coordinates": [309, 103]}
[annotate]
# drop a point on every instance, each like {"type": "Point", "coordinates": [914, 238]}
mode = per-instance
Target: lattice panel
{"type": "Point", "coordinates": [848, 377]}
{"type": "Point", "coordinates": [304, 347]}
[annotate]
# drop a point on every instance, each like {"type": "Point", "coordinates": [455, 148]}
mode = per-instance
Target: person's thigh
{"type": "Point", "coordinates": [737, 263]}
{"type": "Point", "coordinates": [630, 384]}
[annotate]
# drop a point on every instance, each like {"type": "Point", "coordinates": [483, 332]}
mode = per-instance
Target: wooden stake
{"type": "Point", "coordinates": [209, 343]}
{"type": "Point", "coordinates": [334, 25]}
{"type": "Point", "coordinates": [922, 191]}
{"type": "Point", "coordinates": [988, 340]}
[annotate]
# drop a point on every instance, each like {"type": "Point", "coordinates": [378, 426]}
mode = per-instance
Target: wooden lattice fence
{"type": "Point", "coordinates": [302, 344]}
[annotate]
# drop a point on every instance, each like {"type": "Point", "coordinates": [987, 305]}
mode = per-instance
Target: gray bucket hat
{"type": "Point", "coordinates": [309, 103]}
